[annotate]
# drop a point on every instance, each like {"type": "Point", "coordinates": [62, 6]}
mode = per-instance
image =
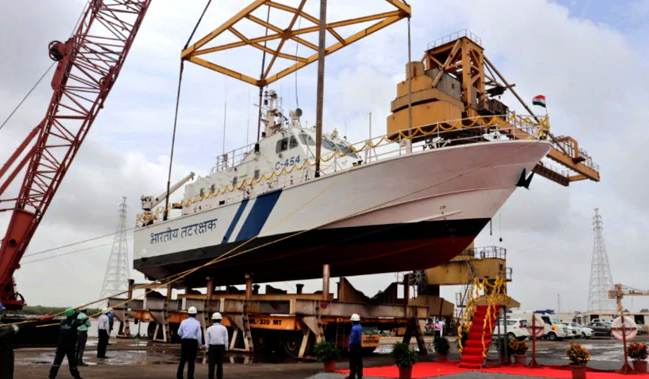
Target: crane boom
{"type": "Point", "coordinates": [88, 65]}
{"type": "Point", "coordinates": [149, 202]}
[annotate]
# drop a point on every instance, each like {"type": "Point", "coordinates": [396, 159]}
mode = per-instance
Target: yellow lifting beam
{"type": "Point", "coordinates": [196, 53]}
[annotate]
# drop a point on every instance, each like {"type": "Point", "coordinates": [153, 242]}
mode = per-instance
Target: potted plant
{"type": "Point", "coordinates": [328, 353]}
{"type": "Point", "coordinates": [519, 348]}
{"type": "Point", "coordinates": [404, 358]}
{"type": "Point", "coordinates": [579, 357]}
{"type": "Point", "coordinates": [638, 352]}
{"type": "Point", "coordinates": [441, 347]}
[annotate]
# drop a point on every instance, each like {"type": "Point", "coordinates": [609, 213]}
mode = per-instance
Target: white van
{"type": "Point", "coordinates": [554, 330]}
{"type": "Point", "coordinates": [516, 328]}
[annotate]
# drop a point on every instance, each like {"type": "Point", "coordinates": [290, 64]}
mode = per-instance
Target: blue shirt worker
{"type": "Point", "coordinates": [355, 350]}
{"type": "Point", "coordinates": [103, 328]}
{"type": "Point", "coordinates": [216, 343]}
{"type": "Point", "coordinates": [191, 338]}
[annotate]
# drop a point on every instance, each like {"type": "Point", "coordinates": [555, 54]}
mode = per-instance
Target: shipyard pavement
{"type": "Point", "coordinates": [141, 360]}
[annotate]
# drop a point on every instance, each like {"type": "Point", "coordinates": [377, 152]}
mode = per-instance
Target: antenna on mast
{"type": "Point", "coordinates": [248, 123]}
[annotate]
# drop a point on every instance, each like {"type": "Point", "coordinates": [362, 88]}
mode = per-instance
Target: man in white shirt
{"type": "Point", "coordinates": [104, 328]}
{"type": "Point", "coordinates": [191, 338]}
{"type": "Point", "coordinates": [216, 343]}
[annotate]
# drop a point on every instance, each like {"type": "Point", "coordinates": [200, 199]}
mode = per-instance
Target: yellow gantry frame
{"type": "Point", "coordinates": [193, 52]}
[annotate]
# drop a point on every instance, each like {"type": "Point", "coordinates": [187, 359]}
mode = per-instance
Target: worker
{"type": "Point", "coordinates": [111, 321]}
{"type": "Point", "coordinates": [191, 338]}
{"type": "Point", "coordinates": [82, 337]}
{"type": "Point", "coordinates": [216, 343]}
{"type": "Point", "coordinates": [6, 350]}
{"type": "Point", "coordinates": [67, 344]}
{"type": "Point", "coordinates": [103, 328]}
{"type": "Point", "coordinates": [355, 352]}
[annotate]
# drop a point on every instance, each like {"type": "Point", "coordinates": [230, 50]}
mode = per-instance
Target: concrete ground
{"type": "Point", "coordinates": [142, 360]}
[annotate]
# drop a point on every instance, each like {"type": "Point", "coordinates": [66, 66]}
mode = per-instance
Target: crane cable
{"type": "Point", "coordinates": [231, 253]}
{"type": "Point", "coordinates": [26, 96]}
{"type": "Point", "coordinates": [44, 74]}
{"type": "Point", "coordinates": [76, 243]}
{"type": "Point", "coordinates": [66, 253]}
{"type": "Point", "coordinates": [173, 136]}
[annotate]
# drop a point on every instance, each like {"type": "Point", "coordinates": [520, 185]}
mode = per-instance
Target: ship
{"type": "Point", "coordinates": [385, 205]}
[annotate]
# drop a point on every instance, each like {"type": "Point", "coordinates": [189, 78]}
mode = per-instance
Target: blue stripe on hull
{"type": "Point", "coordinates": [259, 213]}
{"type": "Point", "coordinates": [235, 221]}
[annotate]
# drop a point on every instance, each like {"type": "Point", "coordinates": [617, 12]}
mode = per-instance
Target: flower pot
{"type": "Point", "coordinates": [442, 357]}
{"type": "Point", "coordinates": [640, 366]}
{"type": "Point", "coordinates": [578, 372]}
{"type": "Point", "coordinates": [520, 359]}
{"type": "Point", "coordinates": [405, 372]}
{"type": "Point", "coordinates": [330, 366]}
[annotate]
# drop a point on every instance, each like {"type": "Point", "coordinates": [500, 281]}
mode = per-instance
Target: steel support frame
{"type": "Point", "coordinates": [88, 65]}
{"type": "Point", "coordinates": [465, 59]}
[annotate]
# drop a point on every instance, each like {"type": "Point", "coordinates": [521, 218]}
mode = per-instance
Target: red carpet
{"type": "Point", "coordinates": [428, 369]}
{"type": "Point", "coordinates": [419, 370]}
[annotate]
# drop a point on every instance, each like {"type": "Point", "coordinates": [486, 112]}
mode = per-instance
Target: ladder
{"type": "Point", "coordinates": [460, 297]}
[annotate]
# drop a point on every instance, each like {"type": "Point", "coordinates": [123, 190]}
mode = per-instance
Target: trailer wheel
{"type": "Point", "coordinates": [292, 343]}
{"type": "Point", "coordinates": [263, 341]}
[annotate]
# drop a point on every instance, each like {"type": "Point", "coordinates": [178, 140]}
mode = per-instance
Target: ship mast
{"type": "Point", "coordinates": [320, 90]}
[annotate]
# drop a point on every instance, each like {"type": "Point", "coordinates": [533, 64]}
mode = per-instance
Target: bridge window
{"type": "Point", "coordinates": [282, 145]}
{"type": "Point", "coordinates": [306, 139]}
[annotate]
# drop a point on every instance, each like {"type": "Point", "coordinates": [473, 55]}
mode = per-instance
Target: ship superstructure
{"type": "Point", "coordinates": [285, 146]}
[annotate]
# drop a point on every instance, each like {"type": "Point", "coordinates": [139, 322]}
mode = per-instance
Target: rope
{"type": "Point", "coordinates": [231, 253]}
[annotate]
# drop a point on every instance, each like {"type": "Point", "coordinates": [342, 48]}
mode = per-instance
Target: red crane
{"type": "Point", "coordinates": [88, 65]}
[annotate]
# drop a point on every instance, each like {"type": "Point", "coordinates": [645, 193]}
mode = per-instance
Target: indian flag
{"type": "Point", "coordinates": [539, 100]}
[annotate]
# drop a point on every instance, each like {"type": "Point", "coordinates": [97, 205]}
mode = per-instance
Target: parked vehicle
{"type": "Point", "coordinates": [554, 330]}
{"type": "Point", "coordinates": [600, 328]}
{"type": "Point", "coordinates": [516, 328]}
{"type": "Point", "coordinates": [572, 331]}
{"type": "Point", "coordinates": [582, 331]}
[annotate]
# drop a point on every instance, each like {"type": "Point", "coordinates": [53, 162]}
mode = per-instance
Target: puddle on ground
{"type": "Point", "coordinates": [148, 358]}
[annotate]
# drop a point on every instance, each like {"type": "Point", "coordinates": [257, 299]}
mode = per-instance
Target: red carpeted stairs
{"type": "Point", "coordinates": [472, 354]}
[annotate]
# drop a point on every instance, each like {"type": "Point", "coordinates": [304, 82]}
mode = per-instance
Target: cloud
{"type": "Point", "coordinates": [592, 73]}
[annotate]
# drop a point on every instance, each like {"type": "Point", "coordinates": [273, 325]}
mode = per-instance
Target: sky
{"type": "Point", "coordinates": [586, 57]}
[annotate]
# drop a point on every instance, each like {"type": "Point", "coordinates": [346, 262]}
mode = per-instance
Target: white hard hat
{"type": "Point", "coordinates": [217, 316]}
{"type": "Point", "coordinates": [192, 310]}
{"type": "Point", "coordinates": [355, 317]}
{"type": "Point", "coordinates": [105, 310]}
